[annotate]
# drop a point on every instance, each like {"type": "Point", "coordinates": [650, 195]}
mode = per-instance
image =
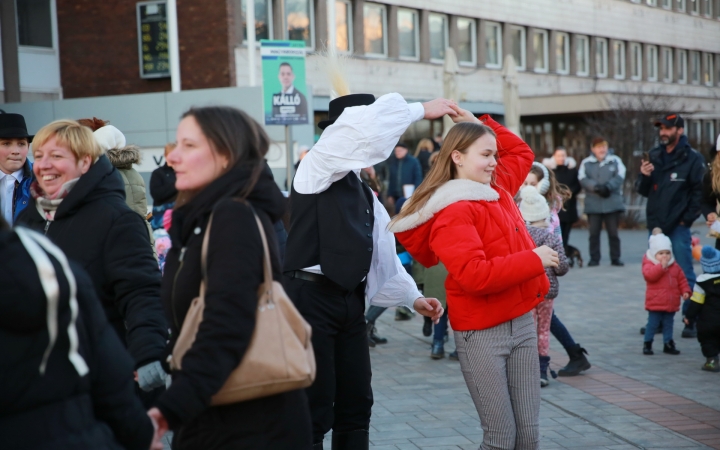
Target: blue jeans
{"type": "Point", "coordinates": [373, 312]}
{"type": "Point", "coordinates": [682, 252]}
{"type": "Point", "coordinates": [561, 333]}
{"type": "Point", "coordinates": [440, 328]}
{"type": "Point", "coordinates": [655, 318]}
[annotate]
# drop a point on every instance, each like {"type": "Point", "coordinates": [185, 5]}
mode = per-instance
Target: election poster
{"type": "Point", "coordinates": [283, 66]}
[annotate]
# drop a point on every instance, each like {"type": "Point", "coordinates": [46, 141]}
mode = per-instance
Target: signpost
{"type": "Point", "coordinates": [153, 39]}
{"type": "Point", "coordinates": [283, 66]}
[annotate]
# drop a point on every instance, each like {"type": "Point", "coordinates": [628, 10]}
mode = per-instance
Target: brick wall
{"type": "Point", "coordinates": [99, 47]}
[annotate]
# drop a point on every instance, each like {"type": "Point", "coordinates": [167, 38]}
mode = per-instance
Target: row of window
{"type": "Point", "coordinates": [695, 7]}
{"type": "Point", "coordinates": [661, 63]}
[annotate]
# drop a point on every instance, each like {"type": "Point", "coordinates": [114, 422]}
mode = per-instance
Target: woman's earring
{"type": "Point", "coordinates": [460, 165]}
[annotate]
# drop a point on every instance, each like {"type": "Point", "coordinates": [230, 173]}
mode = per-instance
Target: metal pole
{"type": "Point", "coordinates": [10, 62]}
{"type": "Point", "coordinates": [173, 45]}
{"type": "Point", "coordinates": [250, 31]}
{"type": "Point", "coordinates": [331, 26]}
{"type": "Point", "coordinates": [289, 155]}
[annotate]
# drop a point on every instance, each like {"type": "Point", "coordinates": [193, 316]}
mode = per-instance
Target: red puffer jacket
{"type": "Point", "coordinates": [478, 233]}
{"type": "Point", "coordinates": [664, 286]}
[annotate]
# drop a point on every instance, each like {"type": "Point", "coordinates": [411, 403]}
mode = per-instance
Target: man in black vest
{"type": "Point", "coordinates": [339, 251]}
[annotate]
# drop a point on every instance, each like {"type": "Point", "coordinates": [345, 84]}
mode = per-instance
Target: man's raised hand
{"type": "Point", "coordinates": [429, 307]}
{"type": "Point", "coordinates": [437, 108]}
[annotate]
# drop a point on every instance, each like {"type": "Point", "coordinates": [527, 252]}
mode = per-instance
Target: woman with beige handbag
{"type": "Point", "coordinates": [241, 353]}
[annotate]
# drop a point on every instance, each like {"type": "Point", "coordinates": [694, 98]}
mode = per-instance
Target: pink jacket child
{"type": "Point", "coordinates": [666, 282]}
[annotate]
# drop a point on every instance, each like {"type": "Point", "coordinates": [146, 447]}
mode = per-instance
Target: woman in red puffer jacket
{"type": "Point", "coordinates": [464, 216]}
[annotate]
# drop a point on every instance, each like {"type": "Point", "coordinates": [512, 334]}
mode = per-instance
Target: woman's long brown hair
{"type": "Point", "coordinates": [460, 137]}
{"type": "Point", "coordinates": [715, 171]}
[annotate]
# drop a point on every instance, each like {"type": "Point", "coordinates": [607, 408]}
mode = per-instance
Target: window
{"type": "Point", "coordinates": [582, 56]}
{"type": "Point", "coordinates": [601, 58]}
{"type": "Point", "coordinates": [343, 26]}
{"type": "Point", "coordinates": [493, 45]}
{"type": "Point", "coordinates": [298, 21]}
{"type": "Point", "coordinates": [438, 37]}
{"type": "Point", "coordinates": [34, 23]}
{"type": "Point", "coordinates": [517, 48]}
{"type": "Point", "coordinates": [708, 8]}
{"type": "Point", "coordinates": [467, 49]}
{"type": "Point", "coordinates": [619, 59]}
{"type": "Point", "coordinates": [682, 5]}
{"type": "Point", "coordinates": [708, 65]}
{"type": "Point", "coordinates": [652, 63]}
{"type": "Point", "coordinates": [667, 66]}
{"type": "Point", "coordinates": [635, 61]}
{"type": "Point", "coordinates": [682, 66]}
{"type": "Point", "coordinates": [562, 53]}
{"type": "Point", "coordinates": [695, 6]}
{"type": "Point", "coordinates": [408, 34]}
{"type": "Point", "coordinates": [695, 67]}
{"type": "Point", "coordinates": [263, 19]}
{"type": "Point", "coordinates": [652, 2]}
{"type": "Point", "coordinates": [540, 48]}
{"type": "Point", "coordinates": [375, 24]}
{"type": "Point", "coordinates": [667, 4]}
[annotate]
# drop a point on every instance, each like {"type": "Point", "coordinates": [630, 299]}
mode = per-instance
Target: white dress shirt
{"type": "Point", "coordinates": [7, 190]}
{"type": "Point", "coordinates": [361, 137]}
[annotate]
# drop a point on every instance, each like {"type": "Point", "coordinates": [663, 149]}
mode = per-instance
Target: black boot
{"type": "Point", "coordinates": [438, 350]}
{"type": "Point", "coordinates": [370, 326]}
{"type": "Point", "coordinates": [351, 440]}
{"type": "Point", "coordinates": [427, 326]}
{"type": "Point", "coordinates": [647, 348]}
{"type": "Point", "coordinates": [670, 349]}
{"type": "Point", "coordinates": [318, 446]}
{"type": "Point", "coordinates": [689, 331]}
{"type": "Point", "coordinates": [578, 362]}
{"type": "Point", "coordinates": [711, 365]}
{"type": "Point", "coordinates": [372, 335]}
{"type": "Point", "coordinates": [544, 363]}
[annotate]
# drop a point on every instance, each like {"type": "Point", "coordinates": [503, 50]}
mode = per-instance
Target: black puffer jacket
{"type": "Point", "coordinates": [674, 188]}
{"type": "Point", "coordinates": [95, 227]}
{"type": "Point", "coordinates": [61, 410]}
{"type": "Point", "coordinates": [234, 270]}
{"type": "Point", "coordinates": [162, 185]}
{"type": "Point", "coordinates": [705, 307]}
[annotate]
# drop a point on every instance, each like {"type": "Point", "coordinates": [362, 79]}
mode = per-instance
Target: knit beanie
{"type": "Point", "coordinates": [109, 137]}
{"type": "Point", "coordinates": [533, 206]}
{"type": "Point", "coordinates": [658, 242]}
{"type": "Point", "coordinates": [710, 260]}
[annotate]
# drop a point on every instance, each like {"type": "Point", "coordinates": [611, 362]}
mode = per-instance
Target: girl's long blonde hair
{"type": "Point", "coordinates": [424, 144]}
{"type": "Point", "coordinates": [715, 171]}
{"type": "Point", "coordinates": [460, 137]}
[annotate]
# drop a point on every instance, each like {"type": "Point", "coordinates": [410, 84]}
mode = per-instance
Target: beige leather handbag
{"type": "Point", "coordinates": [280, 357]}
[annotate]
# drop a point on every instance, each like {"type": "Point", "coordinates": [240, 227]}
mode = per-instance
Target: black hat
{"type": "Point", "coordinates": [13, 126]}
{"type": "Point", "coordinates": [338, 105]}
{"type": "Point", "coordinates": [671, 120]}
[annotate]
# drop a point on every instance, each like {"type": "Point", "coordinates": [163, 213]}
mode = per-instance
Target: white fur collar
{"type": "Point", "coordinates": [451, 192]}
{"type": "Point", "coordinates": [655, 261]}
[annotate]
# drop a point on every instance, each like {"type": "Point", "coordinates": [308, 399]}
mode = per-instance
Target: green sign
{"type": "Point", "coordinates": [153, 40]}
{"type": "Point", "coordinates": [283, 66]}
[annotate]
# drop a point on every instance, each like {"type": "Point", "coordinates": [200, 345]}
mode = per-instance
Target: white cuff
{"type": "Point", "coordinates": [417, 112]}
{"type": "Point", "coordinates": [411, 297]}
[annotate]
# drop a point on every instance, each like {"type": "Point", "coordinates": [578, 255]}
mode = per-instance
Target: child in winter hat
{"type": "Point", "coordinates": [705, 308]}
{"type": "Point", "coordinates": [666, 283]}
{"type": "Point", "coordinates": [535, 210]}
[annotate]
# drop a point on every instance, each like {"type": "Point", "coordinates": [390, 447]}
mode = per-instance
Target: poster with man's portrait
{"type": "Point", "coordinates": [283, 64]}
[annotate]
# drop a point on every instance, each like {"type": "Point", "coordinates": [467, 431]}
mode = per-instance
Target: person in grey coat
{"type": "Point", "coordinates": [602, 176]}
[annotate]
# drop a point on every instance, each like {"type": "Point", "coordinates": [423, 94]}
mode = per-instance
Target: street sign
{"type": "Point", "coordinates": [283, 66]}
{"type": "Point", "coordinates": [153, 39]}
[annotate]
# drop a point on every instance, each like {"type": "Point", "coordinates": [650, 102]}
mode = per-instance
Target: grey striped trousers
{"type": "Point", "coordinates": [501, 369]}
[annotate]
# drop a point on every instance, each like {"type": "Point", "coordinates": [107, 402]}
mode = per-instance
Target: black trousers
{"type": "Point", "coordinates": [341, 398]}
{"type": "Point", "coordinates": [611, 220]}
{"type": "Point", "coordinates": [709, 338]}
{"type": "Point", "coordinates": [565, 228]}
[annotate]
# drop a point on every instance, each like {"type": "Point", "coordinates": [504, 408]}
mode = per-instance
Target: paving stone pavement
{"type": "Point", "coordinates": [424, 404]}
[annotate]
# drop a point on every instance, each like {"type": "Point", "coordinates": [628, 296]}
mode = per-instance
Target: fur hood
{"type": "Point", "coordinates": [552, 165]}
{"type": "Point", "coordinates": [124, 158]}
{"type": "Point", "coordinates": [451, 192]}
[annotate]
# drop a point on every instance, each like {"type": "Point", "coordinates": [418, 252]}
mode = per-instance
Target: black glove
{"type": "Point", "coordinates": [602, 190]}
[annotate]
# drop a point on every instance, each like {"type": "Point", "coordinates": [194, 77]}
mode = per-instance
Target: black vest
{"type": "Point", "coordinates": [334, 229]}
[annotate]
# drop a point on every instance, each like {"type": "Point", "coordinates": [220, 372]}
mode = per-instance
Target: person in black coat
{"type": "Point", "coordinates": [220, 158]}
{"type": "Point", "coordinates": [162, 190]}
{"type": "Point", "coordinates": [566, 172]}
{"type": "Point", "coordinates": [79, 203]}
{"type": "Point", "coordinates": [76, 396]}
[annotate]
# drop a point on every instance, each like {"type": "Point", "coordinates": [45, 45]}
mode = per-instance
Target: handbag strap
{"type": "Point", "coordinates": [267, 266]}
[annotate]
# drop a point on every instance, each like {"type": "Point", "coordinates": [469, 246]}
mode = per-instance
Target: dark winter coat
{"type": "Point", "coordinates": [94, 226]}
{"type": "Point", "coordinates": [424, 159]}
{"type": "Point", "coordinates": [569, 177]}
{"type": "Point", "coordinates": [609, 173]}
{"type": "Point", "coordinates": [705, 304]}
{"type": "Point", "coordinates": [61, 410]}
{"type": "Point", "coordinates": [403, 171]}
{"type": "Point", "coordinates": [234, 271]}
{"type": "Point", "coordinates": [162, 185]}
{"type": "Point", "coordinates": [674, 188]}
